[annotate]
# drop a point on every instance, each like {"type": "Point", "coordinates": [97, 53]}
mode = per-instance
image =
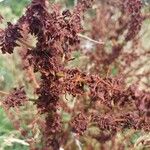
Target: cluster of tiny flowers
{"type": "Point", "coordinates": [133, 8]}
{"type": "Point", "coordinates": [112, 107]}
{"type": "Point", "coordinates": [9, 37]}
{"type": "Point", "coordinates": [16, 98]}
{"type": "Point", "coordinates": [79, 123]}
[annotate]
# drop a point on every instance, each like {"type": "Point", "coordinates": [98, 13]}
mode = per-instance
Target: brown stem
{"type": "Point", "coordinates": [91, 40]}
{"type": "Point", "coordinates": [4, 93]}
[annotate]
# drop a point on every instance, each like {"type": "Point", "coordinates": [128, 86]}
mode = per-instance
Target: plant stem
{"type": "Point", "coordinates": [89, 39]}
{"type": "Point", "coordinates": [4, 93]}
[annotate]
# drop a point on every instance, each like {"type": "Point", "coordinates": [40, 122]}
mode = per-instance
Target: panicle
{"type": "Point", "coordinates": [133, 8]}
{"type": "Point", "coordinates": [16, 98]}
{"type": "Point", "coordinates": [79, 123]}
{"type": "Point", "coordinates": [8, 38]}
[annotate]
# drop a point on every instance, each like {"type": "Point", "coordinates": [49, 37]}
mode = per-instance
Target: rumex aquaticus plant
{"type": "Point", "coordinates": [100, 101]}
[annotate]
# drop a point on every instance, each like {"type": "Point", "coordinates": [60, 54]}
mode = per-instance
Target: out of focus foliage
{"type": "Point", "coordinates": [15, 6]}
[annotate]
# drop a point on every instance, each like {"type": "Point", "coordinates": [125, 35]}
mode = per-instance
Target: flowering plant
{"type": "Point", "coordinates": [89, 95]}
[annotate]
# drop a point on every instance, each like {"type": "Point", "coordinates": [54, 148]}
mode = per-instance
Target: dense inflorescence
{"type": "Point", "coordinates": [16, 98]}
{"type": "Point", "coordinates": [133, 8]}
{"type": "Point", "coordinates": [9, 37]}
{"type": "Point", "coordinates": [56, 35]}
{"type": "Point", "coordinates": [79, 123]}
{"type": "Point", "coordinates": [104, 102]}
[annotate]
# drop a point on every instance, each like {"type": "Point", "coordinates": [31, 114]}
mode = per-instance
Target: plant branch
{"type": "Point", "coordinates": [91, 40]}
{"type": "Point", "coordinates": [3, 93]}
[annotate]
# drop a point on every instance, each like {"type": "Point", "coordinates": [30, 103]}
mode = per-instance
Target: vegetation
{"type": "Point", "coordinates": [74, 75]}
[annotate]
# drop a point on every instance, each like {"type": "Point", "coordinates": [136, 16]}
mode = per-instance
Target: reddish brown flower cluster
{"type": "Point", "coordinates": [16, 98]}
{"type": "Point", "coordinates": [74, 81]}
{"type": "Point", "coordinates": [112, 94]}
{"type": "Point", "coordinates": [133, 8]}
{"type": "Point", "coordinates": [9, 37]}
{"type": "Point", "coordinates": [56, 34]}
{"type": "Point", "coordinates": [103, 102]}
{"type": "Point", "coordinates": [83, 4]}
{"type": "Point", "coordinates": [79, 123]}
{"type": "Point", "coordinates": [53, 126]}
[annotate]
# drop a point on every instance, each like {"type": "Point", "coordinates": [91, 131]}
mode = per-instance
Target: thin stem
{"type": "Point", "coordinates": [4, 93]}
{"type": "Point", "coordinates": [32, 100]}
{"type": "Point", "coordinates": [89, 39]}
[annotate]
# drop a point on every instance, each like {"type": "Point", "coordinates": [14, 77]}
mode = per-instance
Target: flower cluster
{"type": "Point", "coordinates": [53, 126]}
{"type": "Point", "coordinates": [79, 123]}
{"type": "Point", "coordinates": [133, 8]}
{"type": "Point", "coordinates": [56, 34]}
{"type": "Point", "coordinates": [16, 98]}
{"type": "Point", "coordinates": [9, 37]}
{"type": "Point", "coordinates": [104, 102]}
